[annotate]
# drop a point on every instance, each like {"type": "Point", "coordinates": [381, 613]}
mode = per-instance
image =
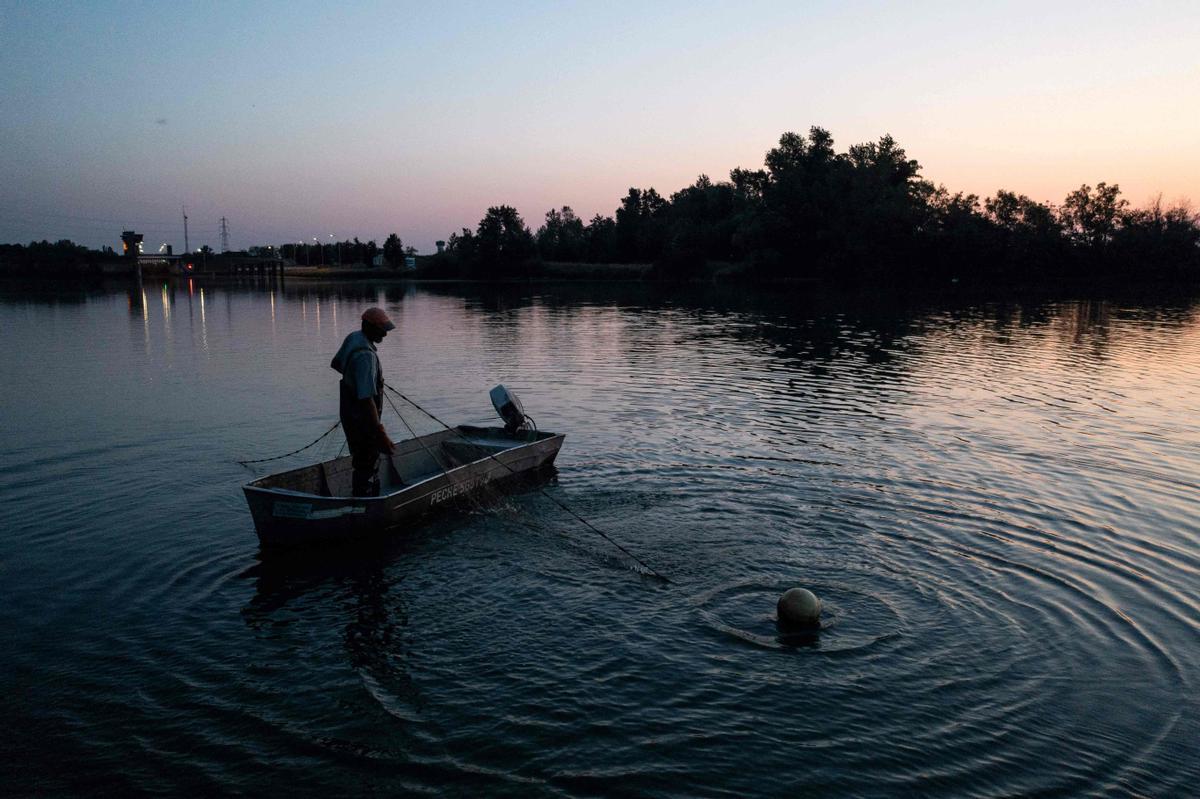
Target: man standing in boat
{"type": "Point", "coordinates": [361, 405]}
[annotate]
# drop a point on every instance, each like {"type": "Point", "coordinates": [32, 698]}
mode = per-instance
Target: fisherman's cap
{"type": "Point", "coordinates": [377, 317]}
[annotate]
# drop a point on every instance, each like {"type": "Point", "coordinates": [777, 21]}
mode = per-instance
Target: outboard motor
{"type": "Point", "coordinates": [509, 407]}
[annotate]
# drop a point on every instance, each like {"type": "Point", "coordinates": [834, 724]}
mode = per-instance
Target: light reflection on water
{"type": "Point", "coordinates": [996, 501]}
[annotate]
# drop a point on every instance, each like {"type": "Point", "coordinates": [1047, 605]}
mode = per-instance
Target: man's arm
{"type": "Point", "coordinates": [371, 414]}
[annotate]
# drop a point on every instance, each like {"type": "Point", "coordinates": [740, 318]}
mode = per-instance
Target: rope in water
{"type": "Point", "coordinates": [293, 452]}
{"type": "Point", "coordinates": [648, 570]}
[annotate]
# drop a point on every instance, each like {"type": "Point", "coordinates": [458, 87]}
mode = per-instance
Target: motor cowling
{"type": "Point", "coordinates": [509, 407]}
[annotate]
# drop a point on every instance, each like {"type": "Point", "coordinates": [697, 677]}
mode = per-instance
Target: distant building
{"type": "Point", "coordinates": [441, 245]}
{"type": "Point", "coordinates": [410, 262]}
{"type": "Point", "coordinates": [378, 260]}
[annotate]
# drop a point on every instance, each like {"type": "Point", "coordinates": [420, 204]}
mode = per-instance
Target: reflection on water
{"type": "Point", "coordinates": [995, 500]}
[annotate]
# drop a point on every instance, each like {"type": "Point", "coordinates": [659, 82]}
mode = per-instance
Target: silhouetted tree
{"type": "Point", "coordinates": [462, 244]}
{"type": "Point", "coordinates": [502, 241]}
{"type": "Point", "coordinates": [1029, 232]}
{"type": "Point", "coordinates": [393, 251]}
{"type": "Point", "coordinates": [1018, 214]}
{"type": "Point", "coordinates": [1091, 217]}
{"type": "Point", "coordinates": [641, 226]}
{"type": "Point", "coordinates": [1158, 241]}
{"type": "Point", "coordinates": [702, 225]}
{"type": "Point", "coordinates": [822, 212]}
{"type": "Point", "coordinates": [601, 237]}
{"type": "Point", "coordinates": [562, 237]}
{"type": "Point", "coordinates": [957, 237]}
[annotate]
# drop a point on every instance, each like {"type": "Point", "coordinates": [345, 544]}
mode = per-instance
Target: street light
{"type": "Point", "coordinates": [339, 249]}
{"type": "Point", "coordinates": [320, 253]}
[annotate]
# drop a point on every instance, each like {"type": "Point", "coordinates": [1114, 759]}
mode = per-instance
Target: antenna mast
{"type": "Point", "coordinates": [186, 248]}
{"type": "Point", "coordinates": [224, 236]}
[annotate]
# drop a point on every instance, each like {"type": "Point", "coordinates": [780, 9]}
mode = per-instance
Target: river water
{"type": "Point", "coordinates": [998, 504]}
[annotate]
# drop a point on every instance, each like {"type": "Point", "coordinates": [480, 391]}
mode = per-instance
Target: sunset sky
{"type": "Point", "coordinates": [297, 119]}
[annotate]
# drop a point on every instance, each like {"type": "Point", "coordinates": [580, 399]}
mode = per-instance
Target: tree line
{"type": "Point", "coordinates": [810, 212]}
{"type": "Point", "coordinates": [862, 214]}
{"type": "Point", "coordinates": [350, 252]}
{"type": "Point", "coordinates": [62, 257]}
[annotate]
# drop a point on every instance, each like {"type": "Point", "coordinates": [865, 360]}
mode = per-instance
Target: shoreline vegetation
{"type": "Point", "coordinates": [810, 214]}
{"type": "Point", "coordinates": [536, 270]}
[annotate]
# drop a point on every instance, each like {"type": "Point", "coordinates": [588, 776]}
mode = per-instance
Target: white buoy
{"type": "Point", "coordinates": [799, 608]}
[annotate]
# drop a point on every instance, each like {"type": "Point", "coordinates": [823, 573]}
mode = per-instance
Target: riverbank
{"type": "Point", "coordinates": [545, 270]}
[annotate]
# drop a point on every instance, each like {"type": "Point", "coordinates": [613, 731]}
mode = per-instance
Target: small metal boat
{"type": "Point", "coordinates": [314, 503]}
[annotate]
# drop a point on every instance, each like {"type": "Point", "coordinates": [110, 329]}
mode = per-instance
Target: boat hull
{"type": "Point", "coordinates": [287, 517]}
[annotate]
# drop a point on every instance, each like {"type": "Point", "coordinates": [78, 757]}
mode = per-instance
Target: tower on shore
{"type": "Point", "coordinates": [131, 244]}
